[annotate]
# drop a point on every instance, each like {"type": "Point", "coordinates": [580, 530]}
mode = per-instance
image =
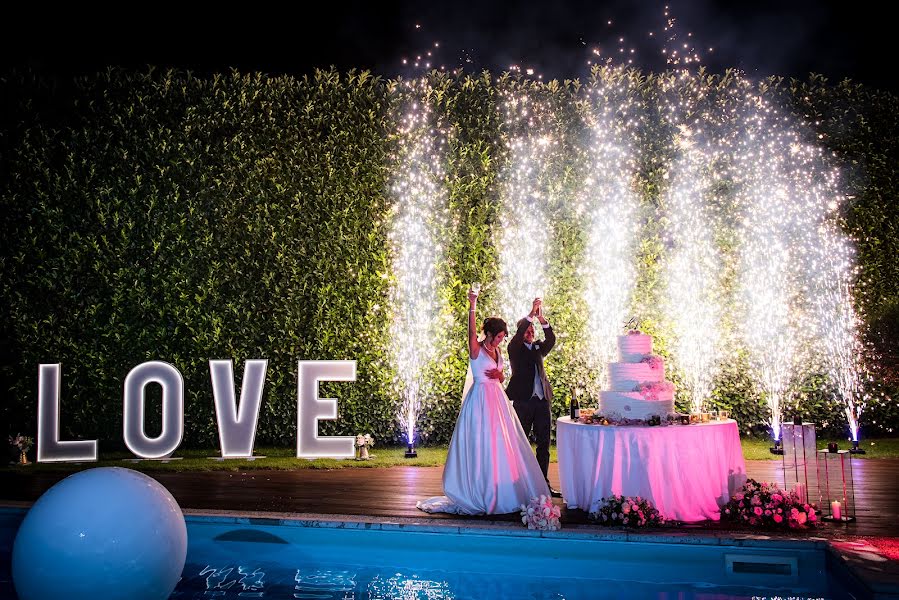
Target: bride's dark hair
{"type": "Point", "coordinates": [494, 325]}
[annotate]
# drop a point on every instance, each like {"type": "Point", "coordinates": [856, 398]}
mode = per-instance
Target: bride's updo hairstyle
{"type": "Point", "coordinates": [493, 326]}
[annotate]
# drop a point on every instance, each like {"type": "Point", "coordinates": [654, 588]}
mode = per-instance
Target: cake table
{"type": "Point", "coordinates": [686, 471]}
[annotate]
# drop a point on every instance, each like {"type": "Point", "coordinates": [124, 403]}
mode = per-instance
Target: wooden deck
{"type": "Point", "coordinates": [393, 492]}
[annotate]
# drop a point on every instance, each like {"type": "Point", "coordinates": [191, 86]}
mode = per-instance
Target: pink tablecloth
{"type": "Point", "coordinates": [686, 471]}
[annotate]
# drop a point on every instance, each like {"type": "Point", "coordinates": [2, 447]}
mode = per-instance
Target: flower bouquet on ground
{"type": "Point", "coordinates": [23, 444]}
{"type": "Point", "coordinates": [628, 511]}
{"type": "Point", "coordinates": [766, 505]}
{"type": "Point", "coordinates": [363, 443]}
{"type": "Point", "coordinates": [542, 514]}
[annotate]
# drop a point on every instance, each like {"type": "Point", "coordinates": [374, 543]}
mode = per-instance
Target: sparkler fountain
{"type": "Point", "coordinates": [694, 265]}
{"type": "Point", "coordinates": [525, 226]}
{"type": "Point", "coordinates": [610, 206]}
{"type": "Point", "coordinates": [839, 323]}
{"type": "Point", "coordinates": [419, 214]}
{"type": "Point", "coordinates": [778, 212]}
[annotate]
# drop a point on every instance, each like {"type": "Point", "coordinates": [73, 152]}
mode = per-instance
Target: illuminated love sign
{"type": "Point", "coordinates": [236, 426]}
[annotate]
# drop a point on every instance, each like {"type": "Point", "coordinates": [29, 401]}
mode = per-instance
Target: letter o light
{"type": "Point", "coordinates": [167, 376]}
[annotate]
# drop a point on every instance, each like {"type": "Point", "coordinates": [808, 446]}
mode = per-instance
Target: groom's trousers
{"type": "Point", "coordinates": [534, 413]}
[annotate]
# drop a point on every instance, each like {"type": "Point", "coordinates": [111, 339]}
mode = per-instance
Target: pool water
{"type": "Point", "coordinates": [232, 559]}
{"type": "Point", "coordinates": [276, 561]}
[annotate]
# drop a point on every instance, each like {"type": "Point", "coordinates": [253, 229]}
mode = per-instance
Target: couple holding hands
{"type": "Point", "coordinates": [490, 468]}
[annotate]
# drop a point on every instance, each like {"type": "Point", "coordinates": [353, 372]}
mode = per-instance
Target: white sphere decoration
{"type": "Point", "coordinates": [103, 533]}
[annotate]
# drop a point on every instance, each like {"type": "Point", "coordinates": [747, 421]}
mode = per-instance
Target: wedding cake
{"type": "Point", "coordinates": [636, 385]}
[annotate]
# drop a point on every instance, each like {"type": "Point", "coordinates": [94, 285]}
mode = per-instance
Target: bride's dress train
{"type": "Point", "coordinates": [490, 467]}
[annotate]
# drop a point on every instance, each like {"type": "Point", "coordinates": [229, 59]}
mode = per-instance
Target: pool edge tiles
{"type": "Point", "coordinates": [504, 528]}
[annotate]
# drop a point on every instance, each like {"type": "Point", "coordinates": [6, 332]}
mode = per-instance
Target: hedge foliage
{"type": "Point", "coordinates": [164, 216]}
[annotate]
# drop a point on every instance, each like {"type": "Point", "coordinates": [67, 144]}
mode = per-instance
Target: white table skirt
{"type": "Point", "coordinates": [686, 471]}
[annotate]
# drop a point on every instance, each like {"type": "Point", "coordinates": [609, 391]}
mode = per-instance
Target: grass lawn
{"type": "Point", "coordinates": [285, 458]}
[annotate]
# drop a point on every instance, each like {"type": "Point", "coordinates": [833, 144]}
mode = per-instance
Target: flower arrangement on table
{"type": "Point", "coordinates": [628, 512]}
{"type": "Point", "coordinates": [540, 513]}
{"type": "Point", "coordinates": [766, 505]}
{"type": "Point", "coordinates": [655, 362]}
{"type": "Point", "coordinates": [363, 443]}
{"type": "Point", "coordinates": [651, 390]}
{"type": "Point", "coordinates": [23, 443]}
{"type": "Point", "coordinates": [618, 420]}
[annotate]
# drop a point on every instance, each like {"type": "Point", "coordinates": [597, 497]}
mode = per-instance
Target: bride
{"type": "Point", "coordinates": [490, 467]}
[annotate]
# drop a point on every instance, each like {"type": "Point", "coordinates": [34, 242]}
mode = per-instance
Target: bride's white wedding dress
{"type": "Point", "coordinates": [491, 467]}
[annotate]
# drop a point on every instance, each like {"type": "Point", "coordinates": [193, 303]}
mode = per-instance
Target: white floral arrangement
{"type": "Point", "coordinates": [364, 441]}
{"type": "Point", "coordinates": [22, 442]}
{"type": "Point", "coordinates": [542, 514]}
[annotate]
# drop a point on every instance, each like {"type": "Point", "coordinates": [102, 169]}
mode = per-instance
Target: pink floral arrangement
{"type": "Point", "coordinates": [628, 511]}
{"type": "Point", "coordinates": [651, 390]}
{"type": "Point", "coordinates": [766, 505]}
{"type": "Point", "coordinates": [654, 362]}
{"type": "Point", "coordinates": [542, 514]}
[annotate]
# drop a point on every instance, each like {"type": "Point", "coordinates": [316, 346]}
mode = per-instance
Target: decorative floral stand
{"type": "Point", "coordinates": [836, 488]}
{"type": "Point", "coordinates": [799, 452]}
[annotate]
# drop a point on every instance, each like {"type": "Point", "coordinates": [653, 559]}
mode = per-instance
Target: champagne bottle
{"type": "Point", "coordinates": [575, 407]}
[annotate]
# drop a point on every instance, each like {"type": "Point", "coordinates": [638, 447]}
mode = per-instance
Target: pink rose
{"type": "Point", "coordinates": [802, 518]}
{"type": "Point", "coordinates": [778, 519]}
{"type": "Point", "coordinates": [758, 510]}
{"type": "Point", "coordinates": [626, 509]}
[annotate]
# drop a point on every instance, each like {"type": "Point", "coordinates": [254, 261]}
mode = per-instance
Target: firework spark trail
{"type": "Point", "coordinates": [525, 226]}
{"type": "Point", "coordinates": [693, 266]}
{"type": "Point", "coordinates": [609, 205]}
{"type": "Point", "coordinates": [419, 211]}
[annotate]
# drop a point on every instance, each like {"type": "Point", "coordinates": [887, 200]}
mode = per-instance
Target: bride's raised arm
{"type": "Point", "coordinates": [473, 346]}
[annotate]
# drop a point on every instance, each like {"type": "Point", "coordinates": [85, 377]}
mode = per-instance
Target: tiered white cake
{"type": "Point", "coordinates": [637, 386]}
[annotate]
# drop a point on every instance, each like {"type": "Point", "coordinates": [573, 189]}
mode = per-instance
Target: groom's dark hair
{"type": "Point", "coordinates": [493, 325]}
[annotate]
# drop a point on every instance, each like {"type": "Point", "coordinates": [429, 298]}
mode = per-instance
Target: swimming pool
{"type": "Point", "coordinates": [234, 558]}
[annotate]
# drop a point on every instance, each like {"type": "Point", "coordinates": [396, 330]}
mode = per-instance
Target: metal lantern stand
{"type": "Point", "coordinates": [836, 488]}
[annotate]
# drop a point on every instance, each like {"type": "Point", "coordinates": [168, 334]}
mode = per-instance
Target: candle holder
{"type": "Point", "coordinates": [836, 489]}
{"type": "Point", "coordinates": [799, 450]}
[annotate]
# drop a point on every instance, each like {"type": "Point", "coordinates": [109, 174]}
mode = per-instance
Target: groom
{"type": "Point", "coordinates": [529, 388]}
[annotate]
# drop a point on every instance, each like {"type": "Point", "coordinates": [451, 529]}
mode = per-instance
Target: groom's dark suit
{"type": "Point", "coordinates": [527, 370]}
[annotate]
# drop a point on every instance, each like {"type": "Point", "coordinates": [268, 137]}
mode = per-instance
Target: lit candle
{"type": "Point", "coordinates": [835, 510]}
{"type": "Point", "coordinates": [801, 492]}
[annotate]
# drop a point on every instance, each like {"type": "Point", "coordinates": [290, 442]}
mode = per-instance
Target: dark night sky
{"type": "Point", "coordinates": [788, 37]}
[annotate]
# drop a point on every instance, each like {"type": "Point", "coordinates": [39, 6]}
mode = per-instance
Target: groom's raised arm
{"type": "Point", "coordinates": [550, 340]}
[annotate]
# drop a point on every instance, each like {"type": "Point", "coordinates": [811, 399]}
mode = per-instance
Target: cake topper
{"type": "Point", "coordinates": [632, 326]}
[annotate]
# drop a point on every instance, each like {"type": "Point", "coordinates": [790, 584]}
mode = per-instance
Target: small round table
{"type": "Point", "coordinates": [686, 471]}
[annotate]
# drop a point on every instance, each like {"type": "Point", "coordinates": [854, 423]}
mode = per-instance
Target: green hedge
{"type": "Point", "coordinates": [163, 216]}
